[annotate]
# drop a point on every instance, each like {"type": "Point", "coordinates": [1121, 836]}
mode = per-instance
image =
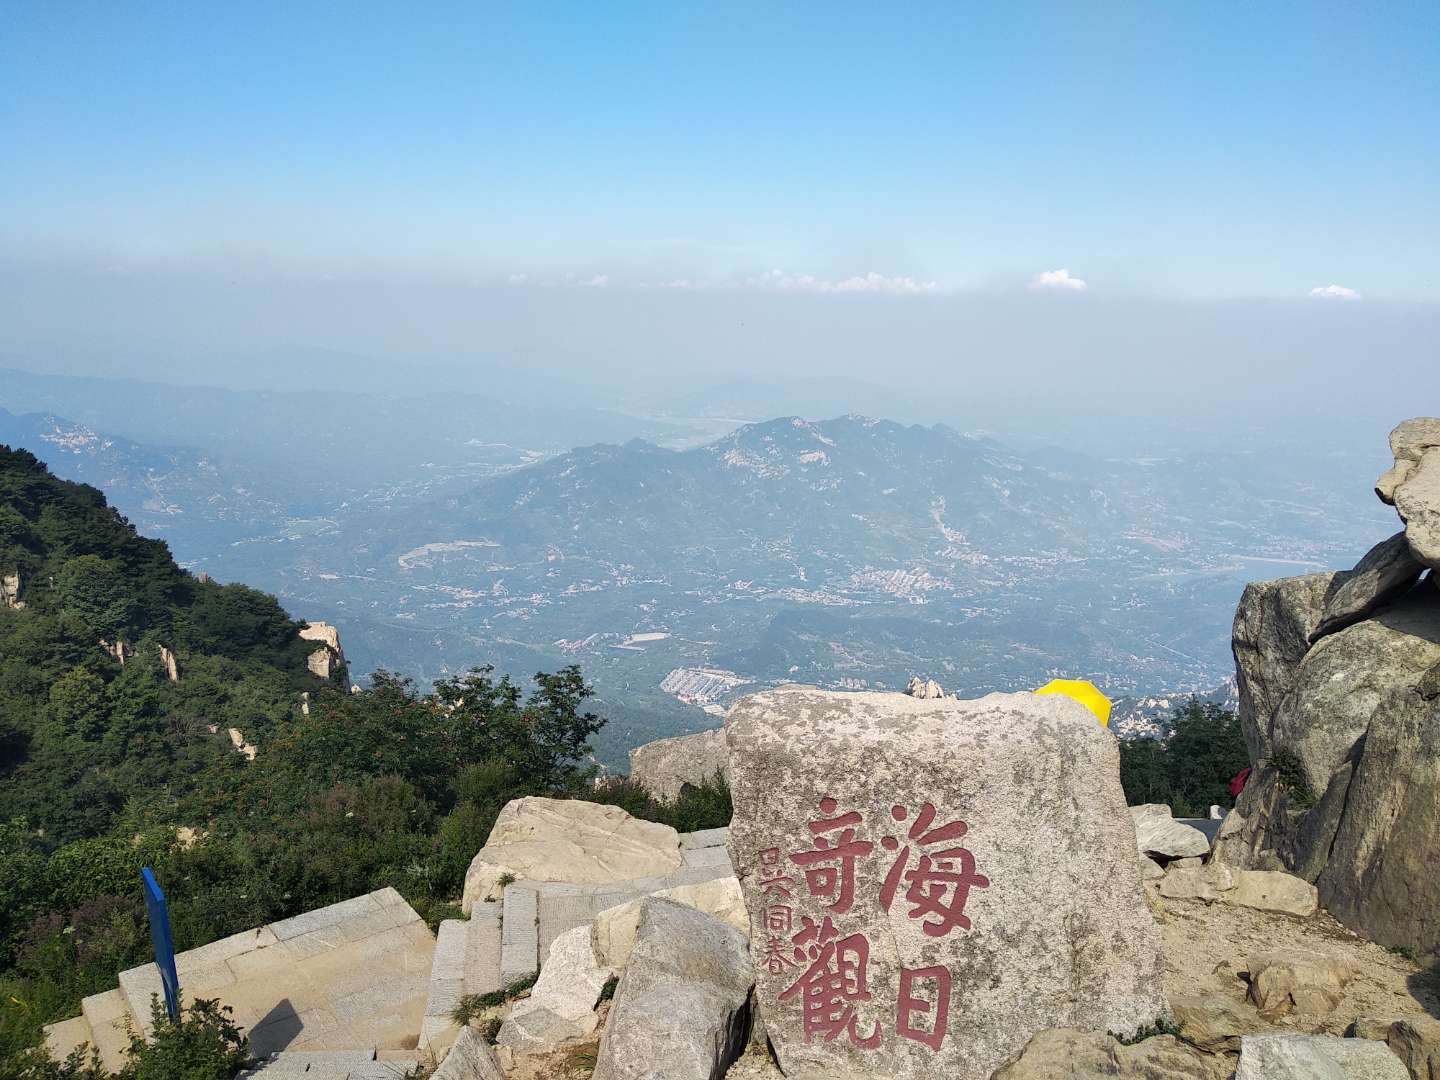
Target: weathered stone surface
{"type": "Point", "coordinates": [924, 688]}
{"type": "Point", "coordinates": [681, 1010]}
{"type": "Point", "coordinates": [1303, 982]}
{"type": "Point", "coordinates": [537, 839]}
{"type": "Point", "coordinates": [1316, 1057]}
{"type": "Point", "coordinates": [10, 591]}
{"type": "Point", "coordinates": [1270, 637]}
{"type": "Point", "coordinates": [1206, 882]}
{"type": "Point", "coordinates": [1066, 1054]}
{"type": "Point", "coordinates": [1416, 1042]}
{"type": "Point", "coordinates": [1158, 833]}
{"type": "Point", "coordinates": [561, 1006]}
{"type": "Point", "coordinates": [1215, 1022]}
{"type": "Point", "coordinates": [613, 931]}
{"type": "Point", "coordinates": [1387, 571]}
{"type": "Point", "coordinates": [1150, 870]}
{"type": "Point", "coordinates": [1343, 679]}
{"type": "Point", "coordinates": [1273, 890]}
{"type": "Point", "coordinates": [665, 766]}
{"type": "Point", "coordinates": [1030, 912]}
{"type": "Point", "coordinates": [1381, 873]}
{"type": "Point", "coordinates": [471, 1058]}
{"type": "Point", "coordinates": [1413, 485]}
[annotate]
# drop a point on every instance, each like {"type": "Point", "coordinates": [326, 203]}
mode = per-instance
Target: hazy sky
{"type": "Point", "coordinates": [661, 188]}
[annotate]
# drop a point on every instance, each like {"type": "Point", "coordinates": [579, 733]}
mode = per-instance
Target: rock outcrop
{"type": "Point", "coordinates": [1339, 680]}
{"type": "Point", "coordinates": [927, 689]}
{"type": "Point", "coordinates": [328, 661]}
{"type": "Point", "coordinates": [682, 1008]}
{"type": "Point", "coordinates": [537, 839]}
{"type": "Point", "coordinates": [932, 882]}
{"type": "Point", "coordinates": [1412, 486]}
{"type": "Point", "coordinates": [665, 766]}
{"type": "Point", "coordinates": [169, 664]}
{"type": "Point", "coordinates": [10, 591]}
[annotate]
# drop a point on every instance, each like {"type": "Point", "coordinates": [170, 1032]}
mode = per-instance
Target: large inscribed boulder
{"type": "Point", "coordinates": [932, 882]}
{"type": "Point", "coordinates": [584, 843]}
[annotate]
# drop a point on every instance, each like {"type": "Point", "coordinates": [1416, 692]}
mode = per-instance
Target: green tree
{"type": "Point", "coordinates": [93, 591]}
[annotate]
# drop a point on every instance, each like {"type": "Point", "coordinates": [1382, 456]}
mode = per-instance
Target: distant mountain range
{"type": "Point", "coordinates": [849, 553]}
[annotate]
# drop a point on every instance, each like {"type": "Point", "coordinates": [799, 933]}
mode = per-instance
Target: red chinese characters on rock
{"type": "Point", "coordinates": [830, 864]}
{"type": "Point", "coordinates": [833, 984]}
{"type": "Point", "coordinates": [941, 882]}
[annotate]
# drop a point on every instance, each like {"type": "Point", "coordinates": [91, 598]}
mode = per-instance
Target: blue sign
{"type": "Point", "coordinates": [164, 945]}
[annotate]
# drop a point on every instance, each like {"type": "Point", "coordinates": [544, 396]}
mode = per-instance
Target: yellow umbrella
{"type": "Point", "coordinates": [1083, 691]}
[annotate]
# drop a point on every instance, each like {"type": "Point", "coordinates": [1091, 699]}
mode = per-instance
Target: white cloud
{"type": "Point", "coordinates": [872, 282]}
{"type": "Point", "coordinates": [519, 279]}
{"type": "Point", "coordinates": [1057, 281]}
{"type": "Point", "coordinates": [1334, 292]}
{"type": "Point", "coordinates": [599, 281]}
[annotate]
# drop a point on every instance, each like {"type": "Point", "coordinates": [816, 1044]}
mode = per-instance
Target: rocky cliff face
{"type": "Point", "coordinates": [1339, 679]}
{"type": "Point", "coordinates": [10, 591]}
{"type": "Point", "coordinates": [328, 661]}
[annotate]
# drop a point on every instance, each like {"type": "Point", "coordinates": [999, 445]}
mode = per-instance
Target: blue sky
{"type": "Point", "coordinates": [1179, 151]}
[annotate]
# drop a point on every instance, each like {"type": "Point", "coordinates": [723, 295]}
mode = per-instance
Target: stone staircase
{"type": "Point", "coordinates": [356, 973]}
{"type": "Point", "coordinates": [508, 939]}
{"type": "Point", "coordinates": [333, 1065]}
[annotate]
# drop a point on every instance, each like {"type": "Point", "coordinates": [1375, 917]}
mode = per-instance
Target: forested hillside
{"type": "Point", "coordinates": [105, 767]}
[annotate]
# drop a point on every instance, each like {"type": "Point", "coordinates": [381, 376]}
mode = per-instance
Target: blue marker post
{"type": "Point", "coordinates": [160, 938]}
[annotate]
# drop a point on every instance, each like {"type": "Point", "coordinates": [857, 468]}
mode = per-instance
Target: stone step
{"type": "Point", "coordinates": [482, 948]}
{"type": "Point", "coordinates": [111, 1022]}
{"type": "Point", "coordinates": [446, 987]}
{"type": "Point", "coordinates": [314, 1064]}
{"type": "Point", "coordinates": [519, 933]}
{"type": "Point", "coordinates": [67, 1035]}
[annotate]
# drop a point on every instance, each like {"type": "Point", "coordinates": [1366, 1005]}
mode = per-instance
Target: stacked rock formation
{"type": "Point", "coordinates": [1340, 703]}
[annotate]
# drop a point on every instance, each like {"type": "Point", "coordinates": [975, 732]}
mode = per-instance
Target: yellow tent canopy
{"type": "Point", "coordinates": [1083, 691]}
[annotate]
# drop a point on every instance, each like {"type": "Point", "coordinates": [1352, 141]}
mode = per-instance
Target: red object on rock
{"type": "Point", "coordinates": [1237, 784]}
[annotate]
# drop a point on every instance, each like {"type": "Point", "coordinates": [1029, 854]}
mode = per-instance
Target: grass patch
{"type": "Point", "coordinates": [472, 1005]}
{"type": "Point", "coordinates": [1291, 773]}
{"type": "Point", "coordinates": [1161, 1026]}
{"type": "Point", "coordinates": [607, 992]}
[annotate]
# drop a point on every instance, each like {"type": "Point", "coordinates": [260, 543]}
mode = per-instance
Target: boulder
{"type": "Point", "coordinates": [1412, 486]}
{"type": "Point", "coordinates": [1215, 1022]}
{"type": "Point", "coordinates": [584, 843]}
{"type": "Point", "coordinates": [1415, 1040]}
{"type": "Point", "coordinates": [932, 882]}
{"type": "Point", "coordinates": [1293, 981]}
{"type": "Point", "coordinates": [665, 766]}
{"type": "Point", "coordinates": [1150, 870]}
{"type": "Point", "coordinates": [561, 1005]}
{"type": "Point", "coordinates": [1157, 833]}
{"type": "Point", "coordinates": [1380, 873]}
{"type": "Point", "coordinates": [1065, 1054]}
{"type": "Point", "coordinates": [1207, 882]}
{"type": "Point", "coordinates": [1343, 679]}
{"type": "Point", "coordinates": [470, 1058]}
{"type": "Point", "coordinates": [1272, 890]}
{"type": "Point", "coordinates": [1316, 1057]}
{"type": "Point", "coordinates": [1270, 636]}
{"type": "Point", "coordinates": [924, 688]}
{"type": "Point", "coordinates": [613, 931]}
{"type": "Point", "coordinates": [682, 1008]}
{"type": "Point", "coordinates": [1387, 571]}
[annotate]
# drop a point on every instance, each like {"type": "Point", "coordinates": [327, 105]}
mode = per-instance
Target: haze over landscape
{"type": "Point", "coordinates": [390, 336]}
